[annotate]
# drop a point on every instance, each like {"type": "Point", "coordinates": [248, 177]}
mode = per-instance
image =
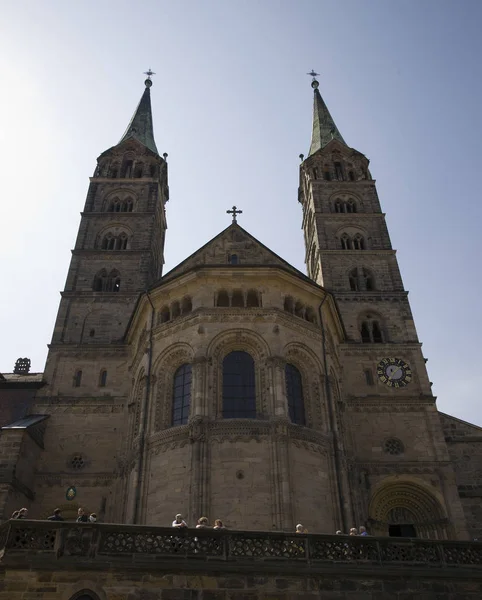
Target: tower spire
{"type": "Point", "coordinates": [140, 127]}
{"type": "Point", "coordinates": [324, 128]}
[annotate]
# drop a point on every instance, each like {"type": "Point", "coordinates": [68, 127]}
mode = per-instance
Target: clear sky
{"type": "Point", "coordinates": [232, 108]}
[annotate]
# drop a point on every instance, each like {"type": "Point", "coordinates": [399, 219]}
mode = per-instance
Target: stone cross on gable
{"type": "Point", "coordinates": [234, 212]}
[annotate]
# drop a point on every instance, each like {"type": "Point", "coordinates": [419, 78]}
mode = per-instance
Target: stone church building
{"type": "Point", "coordinates": [235, 386]}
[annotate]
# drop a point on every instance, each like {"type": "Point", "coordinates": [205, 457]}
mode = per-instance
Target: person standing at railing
{"type": "Point", "coordinates": [301, 529]}
{"type": "Point", "coordinates": [56, 516]}
{"type": "Point", "coordinates": [203, 523]}
{"type": "Point", "coordinates": [179, 521]}
{"type": "Point", "coordinates": [362, 531]}
{"type": "Point", "coordinates": [81, 516]}
{"type": "Point", "coordinates": [218, 524]}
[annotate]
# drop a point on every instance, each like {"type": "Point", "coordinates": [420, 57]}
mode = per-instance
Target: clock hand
{"type": "Point", "coordinates": [394, 373]}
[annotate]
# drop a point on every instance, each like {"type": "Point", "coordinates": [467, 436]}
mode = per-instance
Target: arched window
{"type": "Point", "coordinates": [181, 395]}
{"type": "Point", "coordinates": [121, 242]}
{"type": "Point", "coordinates": [239, 388]}
{"type": "Point", "coordinates": [310, 315]}
{"type": "Point", "coordinates": [223, 298]}
{"type": "Point", "coordinates": [237, 299]}
{"type": "Point", "coordinates": [127, 169]}
{"type": "Point", "coordinates": [114, 242]}
{"type": "Point", "coordinates": [288, 304]}
{"type": "Point", "coordinates": [117, 205]}
{"type": "Point", "coordinates": [351, 176]}
{"type": "Point", "coordinates": [339, 171]}
{"type": "Point", "coordinates": [233, 259]}
{"type": "Point", "coordinates": [113, 282]}
{"type": "Point", "coordinates": [107, 283]}
{"type": "Point", "coordinates": [186, 305]}
{"type": "Point", "coordinates": [78, 378]}
{"type": "Point", "coordinates": [345, 242]}
{"type": "Point", "coordinates": [103, 378]}
{"type": "Point", "coordinates": [252, 299]}
{"type": "Point", "coordinates": [138, 171]}
{"type": "Point", "coordinates": [100, 281]}
{"type": "Point", "coordinates": [294, 393]}
{"type": "Point", "coordinates": [299, 310]}
{"type": "Point", "coordinates": [164, 315]}
{"type": "Point", "coordinates": [377, 333]}
{"type": "Point", "coordinates": [368, 280]}
{"type": "Point", "coordinates": [350, 206]}
{"type": "Point", "coordinates": [353, 279]}
{"type": "Point", "coordinates": [365, 332]}
{"type": "Point", "coordinates": [358, 242]}
{"type": "Point", "coordinates": [175, 309]}
{"type": "Point", "coordinates": [85, 595]}
{"type": "Point", "coordinates": [371, 331]}
{"type": "Point", "coordinates": [338, 206]}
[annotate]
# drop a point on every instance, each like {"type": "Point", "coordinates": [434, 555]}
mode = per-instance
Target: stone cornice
{"type": "Point", "coordinates": [108, 350]}
{"type": "Point", "coordinates": [349, 216]}
{"type": "Point", "coordinates": [238, 430]}
{"type": "Point", "coordinates": [376, 350]}
{"type": "Point", "coordinates": [116, 253]}
{"type": "Point", "coordinates": [342, 252]}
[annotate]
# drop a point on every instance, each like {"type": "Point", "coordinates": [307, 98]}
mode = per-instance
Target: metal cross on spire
{"type": "Point", "coordinates": [149, 73]}
{"type": "Point", "coordinates": [312, 74]}
{"type": "Point", "coordinates": [234, 212]}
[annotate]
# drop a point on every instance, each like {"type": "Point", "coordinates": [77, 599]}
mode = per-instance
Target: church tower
{"type": "Point", "coordinates": [390, 419]}
{"type": "Point", "coordinates": [118, 254]}
{"type": "Point", "coordinates": [119, 250]}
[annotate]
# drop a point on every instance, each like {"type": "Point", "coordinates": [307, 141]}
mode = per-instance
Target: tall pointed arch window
{"type": "Point", "coordinates": [181, 395]}
{"type": "Point", "coordinates": [294, 393]}
{"type": "Point", "coordinates": [239, 386]}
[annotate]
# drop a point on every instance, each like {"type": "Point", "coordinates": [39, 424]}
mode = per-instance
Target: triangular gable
{"type": "Point", "coordinates": [454, 427]}
{"type": "Point", "coordinates": [234, 240]}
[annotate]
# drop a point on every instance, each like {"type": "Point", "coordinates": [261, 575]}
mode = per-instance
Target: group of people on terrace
{"type": "Point", "coordinates": [202, 523]}
{"type": "Point", "coordinates": [179, 522]}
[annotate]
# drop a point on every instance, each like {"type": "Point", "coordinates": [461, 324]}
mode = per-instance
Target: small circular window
{"type": "Point", "coordinates": [393, 446]}
{"type": "Point", "coordinates": [77, 462]}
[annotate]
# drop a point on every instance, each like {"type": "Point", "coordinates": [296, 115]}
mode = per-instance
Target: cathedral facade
{"type": "Point", "coordinates": [235, 386]}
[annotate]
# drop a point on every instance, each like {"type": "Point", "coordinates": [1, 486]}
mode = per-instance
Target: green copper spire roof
{"type": "Point", "coordinates": [140, 128]}
{"type": "Point", "coordinates": [324, 128]}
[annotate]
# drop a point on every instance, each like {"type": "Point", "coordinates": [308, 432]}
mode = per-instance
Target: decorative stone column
{"type": "Point", "coordinates": [199, 404]}
{"type": "Point", "coordinates": [279, 400]}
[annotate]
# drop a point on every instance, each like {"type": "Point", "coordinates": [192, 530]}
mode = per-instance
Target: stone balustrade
{"type": "Point", "coordinates": [26, 542]}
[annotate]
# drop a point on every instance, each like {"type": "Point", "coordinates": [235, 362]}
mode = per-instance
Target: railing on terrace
{"type": "Point", "coordinates": [23, 541]}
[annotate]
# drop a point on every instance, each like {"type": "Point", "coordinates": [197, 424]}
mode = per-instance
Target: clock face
{"type": "Point", "coordinates": [394, 372]}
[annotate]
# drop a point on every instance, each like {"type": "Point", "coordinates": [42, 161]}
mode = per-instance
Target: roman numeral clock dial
{"type": "Point", "coordinates": [394, 372]}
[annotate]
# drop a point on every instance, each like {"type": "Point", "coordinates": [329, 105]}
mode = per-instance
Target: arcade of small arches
{"type": "Point", "coordinates": [177, 308]}
{"type": "Point", "coordinates": [361, 280]}
{"type": "Point", "coordinates": [127, 168]}
{"type": "Point", "coordinates": [107, 281]}
{"type": "Point", "coordinates": [352, 242]}
{"type": "Point", "coordinates": [298, 309]}
{"type": "Point", "coordinates": [238, 298]}
{"type": "Point", "coordinates": [345, 205]}
{"type": "Point", "coordinates": [371, 330]}
{"type": "Point", "coordinates": [114, 241]}
{"type": "Point", "coordinates": [339, 170]}
{"type": "Point", "coordinates": [119, 205]}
